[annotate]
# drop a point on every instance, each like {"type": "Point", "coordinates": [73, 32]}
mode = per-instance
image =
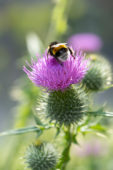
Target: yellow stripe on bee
{"type": "Point", "coordinates": [55, 49]}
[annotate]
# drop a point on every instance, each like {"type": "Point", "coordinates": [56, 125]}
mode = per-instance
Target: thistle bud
{"type": "Point", "coordinates": [98, 76]}
{"type": "Point", "coordinates": [41, 157]}
{"type": "Point", "coordinates": [66, 107]}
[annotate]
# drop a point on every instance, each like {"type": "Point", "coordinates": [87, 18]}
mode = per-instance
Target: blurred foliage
{"type": "Point", "coordinates": [26, 94]}
{"type": "Point", "coordinates": [22, 19]}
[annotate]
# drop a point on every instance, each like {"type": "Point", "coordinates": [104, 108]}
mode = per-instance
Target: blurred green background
{"type": "Point", "coordinates": [20, 18]}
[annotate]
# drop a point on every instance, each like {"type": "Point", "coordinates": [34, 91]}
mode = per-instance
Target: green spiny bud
{"type": "Point", "coordinates": [66, 107]}
{"type": "Point", "coordinates": [99, 75]}
{"type": "Point", "coordinates": [41, 157]}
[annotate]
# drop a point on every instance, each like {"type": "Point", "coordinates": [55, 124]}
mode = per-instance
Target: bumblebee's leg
{"type": "Point", "coordinates": [71, 52]}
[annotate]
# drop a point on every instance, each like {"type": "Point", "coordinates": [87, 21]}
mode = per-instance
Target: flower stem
{"type": "Point", "coordinates": [65, 154]}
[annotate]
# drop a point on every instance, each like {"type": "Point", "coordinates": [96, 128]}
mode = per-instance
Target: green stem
{"type": "Point", "coordinates": [66, 157]}
{"type": "Point", "coordinates": [66, 152]}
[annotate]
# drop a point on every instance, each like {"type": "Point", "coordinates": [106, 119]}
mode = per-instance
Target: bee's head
{"type": "Point", "coordinates": [53, 43]}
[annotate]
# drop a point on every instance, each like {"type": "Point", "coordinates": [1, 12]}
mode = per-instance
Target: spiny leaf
{"type": "Point", "coordinates": [74, 140]}
{"type": "Point", "coordinates": [57, 132]}
{"type": "Point", "coordinates": [99, 128]}
{"type": "Point", "coordinates": [108, 87]}
{"type": "Point", "coordinates": [37, 120]}
{"type": "Point", "coordinates": [101, 112]}
{"type": "Point", "coordinates": [94, 128]}
{"type": "Point", "coordinates": [19, 131]}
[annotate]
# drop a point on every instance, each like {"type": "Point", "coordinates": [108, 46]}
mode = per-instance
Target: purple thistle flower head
{"type": "Point", "coordinates": [48, 73]}
{"type": "Point", "coordinates": [85, 41]}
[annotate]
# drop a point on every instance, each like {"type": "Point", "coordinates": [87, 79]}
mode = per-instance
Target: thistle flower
{"type": "Point", "coordinates": [41, 157]}
{"type": "Point", "coordinates": [85, 41]}
{"type": "Point", "coordinates": [48, 73]}
{"type": "Point", "coordinates": [64, 104]}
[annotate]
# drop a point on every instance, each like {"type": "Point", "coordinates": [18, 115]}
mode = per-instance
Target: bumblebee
{"type": "Point", "coordinates": [60, 51]}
